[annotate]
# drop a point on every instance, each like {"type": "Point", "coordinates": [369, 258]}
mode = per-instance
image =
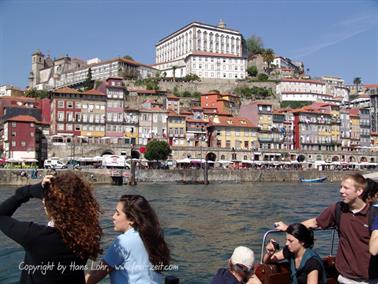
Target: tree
{"type": "Point", "coordinates": [174, 67]}
{"type": "Point", "coordinates": [128, 57]}
{"type": "Point", "coordinates": [157, 150]}
{"type": "Point", "coordinates": [357, 82]}
{"type": "Point", "coordinates": [33, 93]}
{"type": "Point", "coordinates": [268, 57]}
{"type": "Point", "coordinates": [262, 77]}
{"type": "Point", "coordinates": [252, 71]}
{"type": "Point", "coordinates": [254, 45]}
{"type": "Point", "coordinates": [88, 83]}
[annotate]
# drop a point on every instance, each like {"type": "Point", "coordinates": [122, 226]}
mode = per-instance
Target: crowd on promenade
{"type": "Point", "coordinates": [58, 252]}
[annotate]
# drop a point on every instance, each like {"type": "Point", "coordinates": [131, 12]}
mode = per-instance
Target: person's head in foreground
{"type": "Point", "coordinates": [241, 263]}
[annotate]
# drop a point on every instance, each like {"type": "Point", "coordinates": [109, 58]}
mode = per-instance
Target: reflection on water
{"type": "Point", "coordinates": [202, 224]}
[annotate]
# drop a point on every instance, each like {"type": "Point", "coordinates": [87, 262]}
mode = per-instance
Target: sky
{"type": "Point", "coordinates": [332, 37]}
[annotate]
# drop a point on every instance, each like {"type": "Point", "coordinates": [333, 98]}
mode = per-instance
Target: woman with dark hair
{"type": "Point", "coordinates": [305, 265]}
{"type": "Point", "coordinates": [140, 253]}
{"type": "Point", "coordinates": [57, 252]}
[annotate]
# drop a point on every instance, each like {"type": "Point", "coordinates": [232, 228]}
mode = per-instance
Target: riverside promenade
{"type": "Point", "coordinates": [189, 176]}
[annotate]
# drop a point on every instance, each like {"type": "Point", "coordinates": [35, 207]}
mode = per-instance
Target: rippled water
{"type": "Point", "coordinates": [203, 224]}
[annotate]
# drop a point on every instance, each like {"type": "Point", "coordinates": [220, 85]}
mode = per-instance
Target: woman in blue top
{"type": "Point", "coordinates": [306, 267]}
{"type": "Point", "coordinates": [140, 253]}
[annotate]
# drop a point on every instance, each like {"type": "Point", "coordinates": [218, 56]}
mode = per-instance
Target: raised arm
{"type": "Point", "coordinates": [310, 223]}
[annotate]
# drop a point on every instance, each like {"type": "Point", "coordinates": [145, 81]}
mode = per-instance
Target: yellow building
{"type": "Point", "coordinates": [176, 126]}
{"type": "Point", "coordinates": [233, 132]}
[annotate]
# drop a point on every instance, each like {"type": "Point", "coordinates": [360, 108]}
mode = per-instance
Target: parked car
{"type": "Point", "coordinates": [53, 164]}
{"type": "Point", "coordinates": [73, 164]}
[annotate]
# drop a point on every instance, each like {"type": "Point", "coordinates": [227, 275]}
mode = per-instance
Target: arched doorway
{"type": "Point", "coordinates": [211, 157]}
{"type": "Point", "coordinates": [352, 159]}
{"type": "Point", "coordinates": [335, 158]}
{"type": "Point", "coordinates": [107, 152]}
{"type": "Point", "coordinates": [363, 159]}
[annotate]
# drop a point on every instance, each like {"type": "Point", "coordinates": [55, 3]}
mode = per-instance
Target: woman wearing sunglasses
{"type": "Point", "coordinates": [239, 270]}
{"type": "Point", "coordinates": [305, 265]}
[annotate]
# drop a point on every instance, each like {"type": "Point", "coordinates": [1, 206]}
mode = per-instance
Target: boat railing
{"type": "Point", "coordinates": [276, 232]}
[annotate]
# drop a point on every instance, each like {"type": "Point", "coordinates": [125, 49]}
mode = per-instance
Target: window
{"type": "Point", "coordinates": [60, 126]}
{"type": "Point", "coordinates": [31, 134]}
{"type": "Point", "coordinates": [60, 104]}
{"type": "Point", "coordinates": [69, 127]}
{"type": "Point", "coordinates": [14, 124]}
{"type": "Point", "coordinates": [69, 104]}
{"type": "Point", "coordinates": [13, 133]}
{"type": "Point", "coordinates": [32, 124]}
{"type": "Point", "coordinates": [14, 144]}
{"type": "Point", "coordinates": [60, 115]}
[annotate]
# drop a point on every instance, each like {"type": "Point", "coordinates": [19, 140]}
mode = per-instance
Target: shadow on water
{"type": "Point", "coordinates": [202, 224]}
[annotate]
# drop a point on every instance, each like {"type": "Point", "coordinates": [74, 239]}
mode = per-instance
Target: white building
{"type": "Point", "coordinates": [311, 90]}
{"type": "Point", "coordinates": [205, 50]}
{"type": "Point", "coordinates": [48, 74]}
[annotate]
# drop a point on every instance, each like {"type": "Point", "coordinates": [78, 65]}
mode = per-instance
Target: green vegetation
{"type": "Point", "coordinates": [254, 92]}
{"type": "Point", "coordinates": [186, 94]}
{"type": "Point", "coordinates": [262, 77]}
{"type": "Point", "coordinates": [252, 71]}
{"type": "Point", "coordinates": [294, 105]}
{"type": "Point", "coordinates": [88, 83]}
{"type": "Point", "coordinates": [157, 150]}
{"type": "Point", "coordinates": [357, 82]}
{"type": "Point", "coordinates": [254, 45]}
{"type": "Point", "coordinates": [128, 57]}
{"type": "Point", "coordinates": [33, 93]}
{"type": "Point", "coordinates": [149, 83]}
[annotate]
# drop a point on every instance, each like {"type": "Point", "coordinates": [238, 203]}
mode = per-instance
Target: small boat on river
{"type": "Point", "coordinates": [321, 179]}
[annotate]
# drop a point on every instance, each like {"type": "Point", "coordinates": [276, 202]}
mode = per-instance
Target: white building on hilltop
{"type": "Point", "coordinates": [205, 50]}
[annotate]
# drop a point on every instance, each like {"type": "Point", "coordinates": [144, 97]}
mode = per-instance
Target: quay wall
{"type": "Point", "coordinates": [185, 176]}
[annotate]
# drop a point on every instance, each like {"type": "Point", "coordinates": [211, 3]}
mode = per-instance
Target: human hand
{"type": "Point", "coordinates": [280, 226]}
{"type": "Point", "coordinates": [46, 181]}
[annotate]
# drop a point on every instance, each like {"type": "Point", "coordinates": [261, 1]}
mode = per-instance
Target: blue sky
{"type": "Point", "coordinates": [331, 37]}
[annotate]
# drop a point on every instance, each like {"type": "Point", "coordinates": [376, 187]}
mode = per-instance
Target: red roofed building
{"type": "Point", "coordinates": [23, 138]}
{"type": "Point", "coordinates": [223, 103]}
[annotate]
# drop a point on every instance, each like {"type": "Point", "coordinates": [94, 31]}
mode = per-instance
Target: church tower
{"type": "Point", "coordinates": [38, 63]}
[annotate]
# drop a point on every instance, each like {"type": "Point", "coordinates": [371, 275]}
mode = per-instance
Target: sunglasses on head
{"type": "Point", "coordinates": [244, 269]}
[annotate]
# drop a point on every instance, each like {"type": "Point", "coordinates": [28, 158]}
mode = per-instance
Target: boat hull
{"type": "Point", "coordinates": [313, 180]}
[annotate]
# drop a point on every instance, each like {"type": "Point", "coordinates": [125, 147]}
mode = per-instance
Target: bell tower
{"type": "Point", "coordinates": [38, 62]}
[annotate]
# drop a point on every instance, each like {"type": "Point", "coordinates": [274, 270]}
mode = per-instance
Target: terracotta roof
{"type": "Point", "coordinates": [355, 112]}
{"type": "Point", "coordinates": [189, 119]}
{"type": "Point", "coordinates": [173, 97]}
{"type": "Point", "coordinates": [145, 91]}
{"type": "Point", "coordinates": [173, 113]}
{"type": "Point", "coordinates": [232, 122]}
{"type": "Point", "coordinates": [197, 108]}
{"type": "Point", "coordinates": [93, 92]}
{"type": "Point", "coordinates": [371, 86]}
{"type": "Point", "coordinates": [66, 90]}
{"type": "Point", "coordinates": [23, 118]}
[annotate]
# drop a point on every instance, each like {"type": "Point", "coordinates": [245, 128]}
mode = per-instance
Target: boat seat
{"type": "Point", "coordinates": [278, 273]}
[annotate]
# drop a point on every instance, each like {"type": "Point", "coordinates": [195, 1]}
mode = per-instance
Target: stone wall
{"type": "Point", "coordinates": [205, 85]}
{"type": "Point", "coordinates": [189, 176]}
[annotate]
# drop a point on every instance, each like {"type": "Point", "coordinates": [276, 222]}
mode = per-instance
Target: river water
{"type": "Point", "coordinates": [202, 224]}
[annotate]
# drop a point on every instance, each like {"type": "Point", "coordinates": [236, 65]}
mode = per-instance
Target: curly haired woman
{"type": "Point", "coordinates": [139, 254]}
{"type": "Point", "coordinates": [57, 252]}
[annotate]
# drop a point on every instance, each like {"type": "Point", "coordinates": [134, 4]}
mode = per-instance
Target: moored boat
{"type": "Point", "coordinates": [321, 179]}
